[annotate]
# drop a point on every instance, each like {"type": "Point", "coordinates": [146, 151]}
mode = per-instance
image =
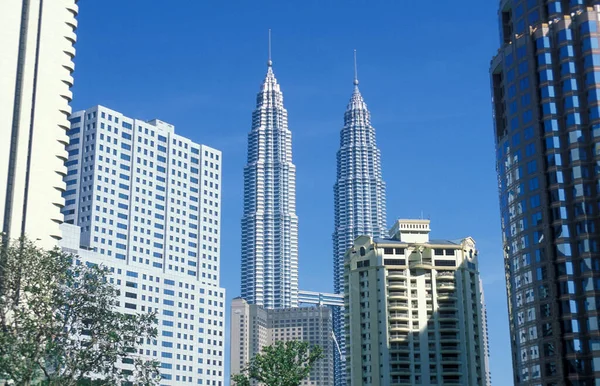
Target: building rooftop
{"type": "Point", "coordinates": [430, 242]}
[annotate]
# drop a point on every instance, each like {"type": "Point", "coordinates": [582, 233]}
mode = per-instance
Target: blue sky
{"type": "Point", "coordinates": [423, 72]}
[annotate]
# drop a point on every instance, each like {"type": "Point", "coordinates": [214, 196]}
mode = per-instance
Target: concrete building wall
{"type": "Point", "coordinates": [413, 310]}
{"type": "Point", "coordinates": [147, 202]}
{"type": "Point", "coordinates": [253, 328]}
{"type": "Point", "coordinates": [35, 78]}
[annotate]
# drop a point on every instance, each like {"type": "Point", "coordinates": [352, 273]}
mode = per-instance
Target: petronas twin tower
{"type": "Point", "coordinates": [270, 223]}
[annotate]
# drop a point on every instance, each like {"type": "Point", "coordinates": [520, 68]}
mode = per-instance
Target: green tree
{"type": "Point", "coordinates": [59, 323]}
{"type": "Point", "coordinates": [282, 364]}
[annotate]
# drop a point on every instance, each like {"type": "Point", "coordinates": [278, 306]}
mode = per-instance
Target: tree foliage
{"type": "Point", "coordinates": [282, 364]}
{"type": "Point", "coordinates": [59, 323]}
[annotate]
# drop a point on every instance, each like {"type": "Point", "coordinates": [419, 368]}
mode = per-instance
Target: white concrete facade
{"type": "Point", "coordinates": [254, 327]}
{"type": "Point", "coordinates": [414, 312]}
{"type": "Point", "coordinates": [38, 40]}
{"type": "Point", "coordinates": [147, 201]}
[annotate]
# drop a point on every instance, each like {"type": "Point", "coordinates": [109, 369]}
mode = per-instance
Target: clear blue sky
{"type": "Point", "coordinates": [423, 72]}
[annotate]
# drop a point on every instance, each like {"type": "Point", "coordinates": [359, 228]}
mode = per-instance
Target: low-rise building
{"type": "Point", "coordinates": [254, 327]}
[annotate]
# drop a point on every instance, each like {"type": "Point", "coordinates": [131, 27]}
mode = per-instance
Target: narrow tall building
{"type": "Point", "coordinates": [146, 202]}
{"type": "Point", "coordinates": [414, 312]}
{"type": "Point", "coordinates": [38, 39]}
{"type": "Point", "coordinates": [359, 198]}
{"type": "Point", "coordinates": [546, 97]}
{"type": "Point", "coordinates": [269, 223]}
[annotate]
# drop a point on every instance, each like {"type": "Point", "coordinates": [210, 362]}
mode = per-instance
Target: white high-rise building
{"type": "Point", "coordinates": [36, 63]}
{"type": "Point", "coordinates": [359, 198]}
{"type": "Point", "coordinates": [413, 310]}
{"type": "Point", "coordinates": [269, 223]}
{"type": "Point", "coordinates": [148, 203]}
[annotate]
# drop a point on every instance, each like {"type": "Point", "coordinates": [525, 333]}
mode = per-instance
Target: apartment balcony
{"type": "Point", "coordinates": [442, 316]}
{"type": "Point", "coordinates": [449, 348]}
{"type": "Point", "coordinates": [451, 370]}
{"type": "Point", "coordinates": [394, 273]}
{"type": "Point", "coordinates": [447, 306]}
{"type": "Point", "coordinates": [398, 336]}
{"type": "Point", "coordinates": [446, 285]}
{"type": "Point", "coordinates": [397, 294]}
{"type": "Point", "coordinates": [400, 360]}
{"type": "Point", "coordinates": [391, 284]}
{"type": "Point", "coordinates": [453, 327]}
{"type": "Point", "coordinates": [452, 380]}
{"type": "Point", "coordinates": [394, 316]}
{"type": "Point", "coordinates": [445, 276]}
{"type": "Point", "coordinates": [446, 296]}
{"type": "Point", "coordinates": [400, 370]}
{"type": "Point", "coordinates": [397, 305]}
{"type": "Point", "coordinates": [402, 347]}
{"type": "Point", "coordinates": [451, 359]}
{"type": "Point", "coordinates": [399, 327]}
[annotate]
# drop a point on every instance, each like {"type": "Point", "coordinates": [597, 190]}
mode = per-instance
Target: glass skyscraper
{"type": "Point", "coordinates": [546, 94]}
{"type": "Point", "coordinates": [359, 197]}
{"type": "Point", "coordinates": [269, 223]}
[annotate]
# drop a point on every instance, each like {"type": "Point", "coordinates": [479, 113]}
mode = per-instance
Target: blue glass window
{"type": "Point", "coordinates": [594, 95]}
{"type": "Point", "coordinates": [554, 7]}
{"type": "Point", "coordinates": [549, 108]}
{"type": "Point", "coordinates": [565, 34]}
{"type": "Point", "coordinates": [510, 75]}
{"type": "Point", "coordinates": [552, 143]}
{"type": "Point", "coordinates": [567, 68]}
{"type": "Point", "coordinates": [592, 78]}
{"type": "Point", "coordinates": [533, 17]}
{"type": "Point", "coordinates": [566, 51]}
{"type": "Point", "coordinates": [547, 92]}
{"type": "Point", "coordinates": [508, 60]}
{"type": "Point", "coordinates": [523, 67]}
{"type": "Point", "coordinates": [590, 26]}
{"type": "Point", "coordinates": [590, 43]}
{"type": "Point", "coordinates": [570, 85]}
{"type": "Point", "coordinates": [546, 75]}
{"type": "Point", "coordinates": [528, 133]}
{"type": "Point", "coordinates": [543, 42]}
{"type": "Point", "coordinates": [532, 167]}
{"type": "Point", "coordinates": [591, 60]}
{"type": "Point", "coordinates": [550, 125]}
{"type": "Point", "coordinates": [554, 160]}
{"type": "Point", "coordinates": [573, 119]}
{"type": "Point", "coordinates": [571, 102]}
{"type": "Point", "coordinates": [534, 184]}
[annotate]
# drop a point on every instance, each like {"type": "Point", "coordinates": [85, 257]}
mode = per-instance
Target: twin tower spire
{"type": "Point", "coordinates": [270, 224]}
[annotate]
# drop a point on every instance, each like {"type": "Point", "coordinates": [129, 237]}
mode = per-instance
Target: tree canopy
{"type": "Point", "coordinates": [285, 363]}
{"type": "Point", "coordinates": [60, 324]}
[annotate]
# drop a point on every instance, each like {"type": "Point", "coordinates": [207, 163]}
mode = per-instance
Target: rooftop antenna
{"type": "Point", "coordinates": [355, 70]}
{"type": "Point", "coordinates": [269, 62]}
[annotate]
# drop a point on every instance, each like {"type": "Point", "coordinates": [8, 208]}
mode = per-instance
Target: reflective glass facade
{"type": "Point", "coordinates": [546, 97]}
